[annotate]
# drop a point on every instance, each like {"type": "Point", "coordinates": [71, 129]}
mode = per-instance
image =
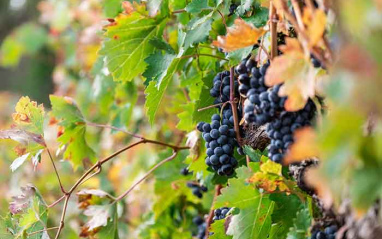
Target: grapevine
{"type": "Point", "coordinates": [192, 119]}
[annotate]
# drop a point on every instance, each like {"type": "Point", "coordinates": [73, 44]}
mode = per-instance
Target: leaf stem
{"type": "Point", "coordinates": [202, 54]}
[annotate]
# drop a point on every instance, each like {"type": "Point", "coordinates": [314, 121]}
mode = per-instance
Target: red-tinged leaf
{"type": "Point", "coordinates": [23, 201]}
{"type": "Point", "coordinates": [239, 36]}
{"type": "Point", "coordinates": [22, 136]}
{"type": "Point", "coordinates": [305, 146]}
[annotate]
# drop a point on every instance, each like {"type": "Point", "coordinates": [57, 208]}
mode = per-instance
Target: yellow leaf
{"type": "Point", "coordinates": [271, 167]}
{"type": "Point", "coordinates": [297, 73]}
{"type": "Point", "coordinates": [239, 36]}
{"type": "Point", "coordinates": [305, 146]}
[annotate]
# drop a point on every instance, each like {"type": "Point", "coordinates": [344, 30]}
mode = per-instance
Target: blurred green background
{"type": "Point", "coordinates": [33, 75]}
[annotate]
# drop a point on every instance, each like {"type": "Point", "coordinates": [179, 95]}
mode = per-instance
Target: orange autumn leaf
{"type": "Point", "coordinates": [315, 23]}
{"type": "Point", "coordinates": [305, 146]}
{"type": "Point", "coordinates": [241, 35]}
{"type": "Point", "coordinates": [295, 70]}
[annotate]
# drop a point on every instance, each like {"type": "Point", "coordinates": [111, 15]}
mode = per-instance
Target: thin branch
{"type": "Point", "coordinates": [211, 214]}
{"type": "Point", "coordinates": [145, 176]}
{"type": "Point", "coordinates": [43, 230]}
{"type": "Point", "coordinates": [62, 223]}
{"type": "Point", "coordinates": [179, 11]}
{"type": "Point", "coordinates": [234, 106]}
{"type": "Point", "coordinates": [248, 160]}
{"type": "Point", "coordinates": [55, 170]}
{"type": "Point", "coordinates": [56, 202]}
{"type": "Point", "coordinates": [115, 128]}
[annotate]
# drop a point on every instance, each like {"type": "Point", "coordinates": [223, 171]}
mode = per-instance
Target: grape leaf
{"type": "Point", "coordinates": [159, 44]}
{"type": "Point", "coordinates": [66, 110]}
{"type": "Point", "coordinates": [29, 213]}
{"type": "Point", "coordinates": [297, 73]}
{"type": "Point", "coordinates": [196, 6]}
{"type": "Point", "coordinates": [286, 207]}
{"type": "Point", "coordinates": [205, 100]}
{"type": "Point", "coordinates": [254, 218]}
{"type": "Point", "coordinates": [29, 116]}
{"type": "Point", "coordinates": [245, 5]}
{"type": "Point", "coordinates": [198, 30]}
{"type": "Point", "coordinates": [126, 44]}
{"type": "Point", "coordinates": [241, 35]}
{"type": "Point", "coordinates": [236, 56]}
{"type": "Point", "coordinates": [259, 18]}
{"type": "Point", "coordinates": [155, 94]}
{"type": "Point", "coordinates": [301, 224]}
{"type": "Point", "coordinates": [219, 230]}
{"type": "Point", "coordinates": [158, 64]}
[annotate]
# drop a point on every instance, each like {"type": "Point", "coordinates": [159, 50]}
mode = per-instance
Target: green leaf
{"type": "Point", "coordinates": [254, 155]}
{"type": "Point", "coordinates": [301, 224]}
{"type": "Point", "coordinates": [254, 218]}
{"type": "Point", "coordinates": [259, 18]}
{"type": "Point", "coordinates": [196, 6]}
{"type": "Point", "coordinates": [286, 208]}
{"type": "Point", "coordinates": [159, 44]}
{"type": "Point", "coordinates": [236, 56]}
{"type": "Point", "coordinates": [205, 100]}
{"type": "Point", "coordinates": [110, 231]}
{"type": "Point", "coordinates": [127, 44]}
{"type": "Point", "coordinates": [218, 228]}
{"type": "Point", "coordinates": [155, 94]}
{"type": "Point", "coordinates": [245, 5]}
{"type": "Point", "coordinates": [158, 64]}
{"type": "Point", "coordinates": [77, 150]}
{"type": "Point", "coordinates": [197, 31]}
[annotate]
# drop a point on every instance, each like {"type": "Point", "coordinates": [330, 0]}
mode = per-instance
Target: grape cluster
{"type": "Point", "coordinates": [252, 86]}
{"type": "Point", "coordinates": [281, 129]}
{"type": "Point", "coordinates": [184, 171]}
{"type": "Point", "coordinates": [232, 9]}
{"type": "Point", "coordinates": [328, 233]}
{"type": "Point", "coordinates": [221, 87]}
{"type": "Point", "coordinates": [197, 189]}
{"type": "Point", "coordinates": [220, 213]}
{"type": "Point", "coordinates": [220, 143]}
{"type": "Point", "coordinates": [201, 224]}
{"type": "Point", "coordinates": [219, 135]}
{"type": "Point", "coordinates": [264, 105]}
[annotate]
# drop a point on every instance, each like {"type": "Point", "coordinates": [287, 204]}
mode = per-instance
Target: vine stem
{"type": "Point", "coordinates": [234, 106]}
{"type": "Point", "coordinates": [273, 29]}
{"type": "Point", "coordinates": [115, 128]}
{"type": "Point", "coordinates": [211, 213]}
{"type": "Point", "coordinates": [99, 164]}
